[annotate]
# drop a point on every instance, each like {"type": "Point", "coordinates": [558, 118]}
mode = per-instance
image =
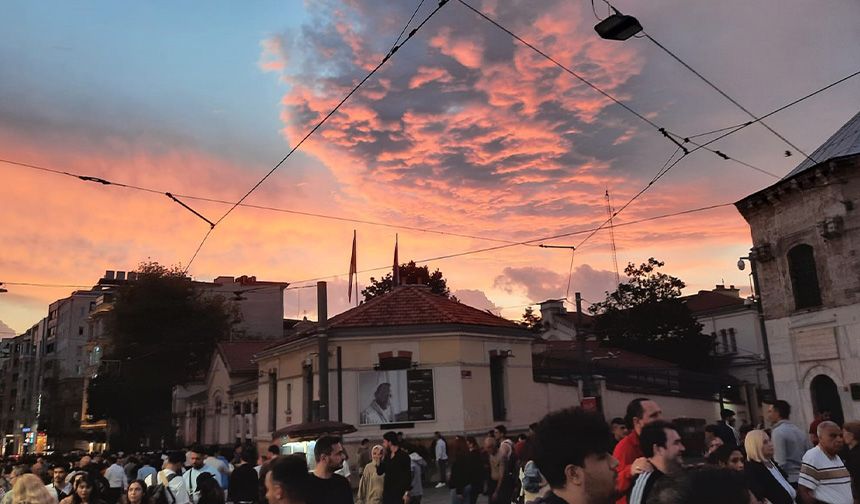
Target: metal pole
{"type": "Point", "coordinates": [762, 326]}
{"type": "Point", "coordinates": [587, 389]}
{"type": "Point", "coordinates": [322, 315]}
{"type": "Point", "coordinates": [339, 385]}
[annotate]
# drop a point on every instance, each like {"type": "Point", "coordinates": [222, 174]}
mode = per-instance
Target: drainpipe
{"type": "Point", "coordinates": [322, 315]}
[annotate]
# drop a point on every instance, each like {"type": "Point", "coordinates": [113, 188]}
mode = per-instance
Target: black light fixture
{"type": "Point", "coordinates": [618, 27]}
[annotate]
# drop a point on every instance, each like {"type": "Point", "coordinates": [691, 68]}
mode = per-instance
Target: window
{"type": "Point", "coordinates": [308, 393]}
{"type": "Point", "coordinates": [724, 339]}
{"type": "Point", "coordinates": [273, 401]}
{"type": "Point", "coordinates": [289, 398]}
{"type": "Point", "coordinates": [804, 277]}
{"type": "Point", "coordinates": [49, 348]}
{"type": "Point", "coordinates": [733, 341]}
{"type": "Point", "coordinates": [497, 387]}
{"type": "Point", "coordinates": [81, 328]}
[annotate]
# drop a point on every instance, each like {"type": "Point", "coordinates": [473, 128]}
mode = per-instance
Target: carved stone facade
{"type": "Point", "coordinates": [805, 246]}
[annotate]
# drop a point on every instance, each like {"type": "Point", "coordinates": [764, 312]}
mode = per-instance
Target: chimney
{"type": "Point", "coordinates": [551, 308]}
{"type": "Point", "coordinates": [109, 274]}
{"type": "Point", "coordinates": [731, 291]}
{"type": "Point", "coordinates": [120, 275]}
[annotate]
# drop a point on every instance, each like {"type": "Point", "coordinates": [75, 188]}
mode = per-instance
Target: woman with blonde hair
{"type": "Point", "coordinates": [370, 486]}
{"type": "Point", "coordinates": [765, 478]}
{"type": "Point", "coordinates": [30, 489]}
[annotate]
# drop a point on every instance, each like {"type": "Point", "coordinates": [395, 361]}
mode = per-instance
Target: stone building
{"type": "Point", "coordinates": [805, 252]}
{"type": "Point", "coordinates": [408, 360]}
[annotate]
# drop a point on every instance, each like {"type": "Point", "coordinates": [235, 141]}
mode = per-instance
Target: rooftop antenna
{"type": "Point", "coordinates": [610, 215]}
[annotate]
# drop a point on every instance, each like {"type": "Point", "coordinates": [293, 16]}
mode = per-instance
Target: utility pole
{"type": "Point", "coordinates": [609, 216]}
{"type": "Point", "coordinates": [584, 367]}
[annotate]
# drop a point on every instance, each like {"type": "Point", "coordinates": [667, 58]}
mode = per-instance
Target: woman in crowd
{"type": "Point", "coordinates": [210, 490]}
{"type": "Point", "coordinates": [466, 471]}
{"type": "Point", "coordinates": [30, 489]}
{"type": "Point", "coordinates": [84, 491]}
{"type": "Point", "coordinates": [729, 457]}
{"type": "Point", "coordinates": [370, 485]}
{"type": "Point", "coordinates": [135, 494]}
{"type": "Point", "coordinates": [766, 479]}
{"type": "Point", "coordinates": [851, 435]}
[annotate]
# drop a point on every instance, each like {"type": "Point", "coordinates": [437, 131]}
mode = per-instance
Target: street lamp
{"type": "Point", "coordinates": [756, 296]}
{"type": "Point", "coordinates": [618, 27]}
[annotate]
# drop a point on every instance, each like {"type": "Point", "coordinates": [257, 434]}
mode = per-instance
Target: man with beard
{"type": "Point", "coordinates": [327, 487]}
{"type": "Point", "coordinates": [397, 468]}
{"type": "Point", "coordinates": [571, 450]}
{"type": "Point", "coordinates": [661, 445]}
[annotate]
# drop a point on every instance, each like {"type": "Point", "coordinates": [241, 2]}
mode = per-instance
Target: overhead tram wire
{"type": "Point", "coordinates": [465, 253]}
{"type": "Point", "coordinates": [669, 135]}
{"type": "Point", "coordinates": [722, 136]}
{"type": "Point", "coordinates": [319, 124]}
{"type": "Point", "coordinates": [716, 88]}
{"type": "Point", "coordinates": [261, 207]}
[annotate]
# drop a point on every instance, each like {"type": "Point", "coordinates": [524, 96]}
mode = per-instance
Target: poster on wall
{"type": "Point", "coordinates": [403, 395]}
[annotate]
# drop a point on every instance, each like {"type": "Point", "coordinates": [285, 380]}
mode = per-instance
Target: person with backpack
{"type": "Point", "coordinates": [166, 486]}
{"type": "Point", "coordinates": [506, 486]}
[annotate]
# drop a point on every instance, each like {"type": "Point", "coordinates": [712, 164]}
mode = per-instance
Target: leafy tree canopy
{"type": "Point", "coordinates": [646, 315]}
{"type": "Point", "coordinates": [161, 332]}
{"type": "Point", "coordinates": [410, 273]}
{"type": "Point", "coordinates": [531, 319]}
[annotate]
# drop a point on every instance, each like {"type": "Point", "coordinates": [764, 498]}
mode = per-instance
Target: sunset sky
{"type": "Point", "coordinates": [464, 130]}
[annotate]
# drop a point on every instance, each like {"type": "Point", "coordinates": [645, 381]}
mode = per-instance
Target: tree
{"type": "Point", "coordinates": [646, 315]}
{"type": "Point", "coordinates": [410, 273]}
{"type": "Point", "coordinates": [531, 320]}
{"type": "Point", "coordinates": [161, 333]}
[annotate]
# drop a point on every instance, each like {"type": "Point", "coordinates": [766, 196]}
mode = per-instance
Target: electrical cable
{"type": "Point", "coordinates": [260, 207]}
{"type": "Point", "coordinates": [716, 88]}
{"type": "Point", "coordinates": [317, 126]}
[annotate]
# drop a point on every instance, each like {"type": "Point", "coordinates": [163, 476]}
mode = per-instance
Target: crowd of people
{"type": "Point", "coordinates": [571, 456]}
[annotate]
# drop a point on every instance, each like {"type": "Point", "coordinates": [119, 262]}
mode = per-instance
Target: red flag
{"type": "Point", "coordinates": [395, 280]}
{"type": "Point", "coordinates": [353, 271]}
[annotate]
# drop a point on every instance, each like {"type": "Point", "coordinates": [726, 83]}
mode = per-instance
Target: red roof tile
{"type": "Point", "coordinates": [709, 300]}
{"type": "Point", "coordinates": [237, 355]}
{"type": "Point", "coordinates": [557, 352]}
{"type": "Point", "coordinates": [411, 305]}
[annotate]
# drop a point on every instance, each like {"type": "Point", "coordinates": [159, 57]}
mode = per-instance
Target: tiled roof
{"type": "Point", "coordinates": [845, 142]}
{"type": "Point", "coordinates": [710, 300]}
{"type": "Point", "coordinates": [555, 353]}
{"type": "Point", "coordinates": [412, 305]}
{"type": "Point", "coordinates": [237, 355]}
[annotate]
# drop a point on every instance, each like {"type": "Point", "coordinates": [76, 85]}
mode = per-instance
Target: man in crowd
{"type": "Point", "coordinates": [326, 486]}
{"type": "Point", "coordinates": [789, 441]}
{"type": "Point", "coordinates": [397, 468]}
{"type": "Point", "coordinates": [823, 476]}
{"type": "Point", "coordinates": [441, 451]}
{"type": "Point", "coordinates": [147, 468]}
{"type": "Point", "coordinates": [171, 479]}
{"type": "Point", "coordinates": [821, 416]}
{"type": "Point", "coordinates": [619, 431]}
{"type": "Point", "coordinates": [116, 478]}
{"type": "Point", "coordinates": [725, 428]}
{"type": "Point", "coordinates": [661, 445]}
{"type": "Point", "coordinates": [58, 488]}
{"type": "Point", "coordinates": [198, 467]}
{"type": "Point", "coordinates": [628, 453]}
{"type": "Point", "coordinates": [364, 456]}
{"type": "Point", "coordinates": [288, 482]}
{"type": "Point", "coordinates": [571, 450]}
{"type": "Point", "coordinates": [508, 472]}
{"type": "Point", "coordinates": [220, 466]}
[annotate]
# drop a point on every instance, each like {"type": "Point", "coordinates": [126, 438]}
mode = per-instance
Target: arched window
{"type": "Point", "coordinates": [804, 277]}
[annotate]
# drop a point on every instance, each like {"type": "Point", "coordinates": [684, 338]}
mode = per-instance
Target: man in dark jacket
{"type": "Point", "coordinates": [396, 467]}
{"type": "Point", "coordinates": [725, 430]}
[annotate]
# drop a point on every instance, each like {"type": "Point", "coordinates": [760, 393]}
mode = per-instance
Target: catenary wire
{"type": "Point", "coordinates": [460, 254]}
{"type": "Point", "coordinates": [317, 126]}
{"type": "Point", "coordinates": [716, 88]}
{"type": "Point", "coordinates": [262, 207]}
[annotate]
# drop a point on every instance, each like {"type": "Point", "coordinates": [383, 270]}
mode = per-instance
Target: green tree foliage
{"type": "Point", "coordinates": [530, 319]}
{"type": "Point", "coordinates": [410, 273]}
{"type": "Point", "coordinates": [646, 315]}
{"type": "Point", "coordinates": [161, 332]}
